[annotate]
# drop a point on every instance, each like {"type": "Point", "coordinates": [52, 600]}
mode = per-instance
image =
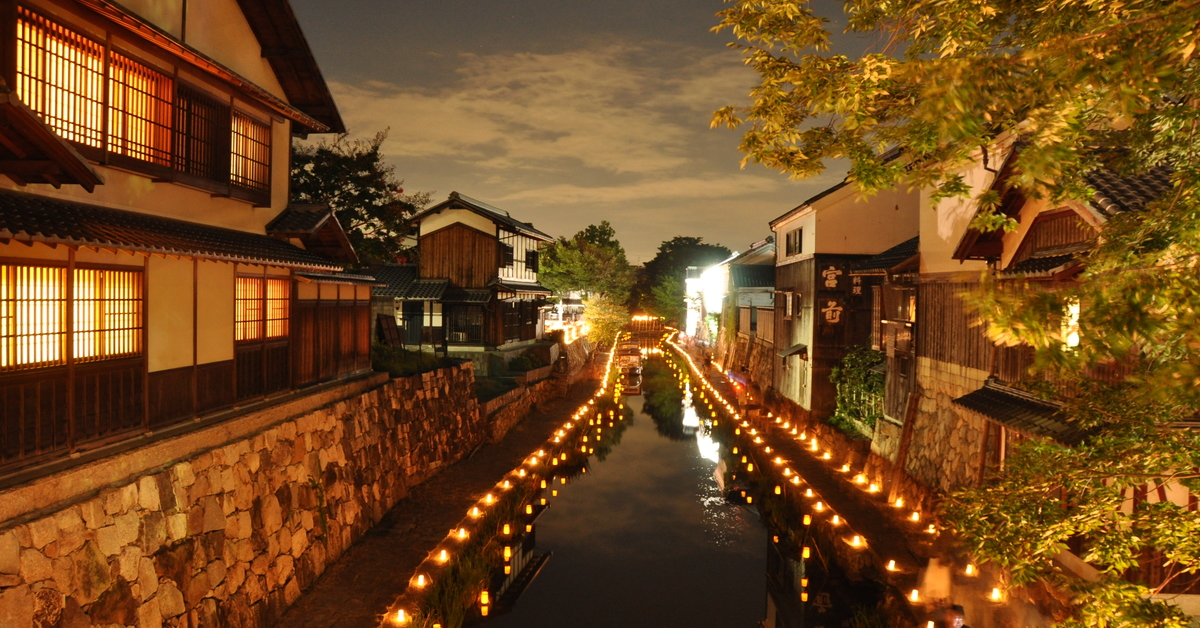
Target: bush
{"type": "Point", "coordinates": [859, 390]}
{"type": "Point", "coordinates": [400, 362]}
{"type": "Point", "coordinates": [488, 388]}
{"type": "Point", "coordinates": [526, 362]}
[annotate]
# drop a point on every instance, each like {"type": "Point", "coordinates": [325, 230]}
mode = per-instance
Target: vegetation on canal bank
{"type": "Point", "coordinates": [1079, 86]}
{"type": "Point", "coordinates": [400, 362]}
{"type": "Point", "coordinates": [859, 392]}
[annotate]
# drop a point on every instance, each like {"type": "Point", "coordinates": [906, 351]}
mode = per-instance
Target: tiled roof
{"type": "Point", "coordinates": [339, 278]}
{"type": "Point", "coordinates": [793, 350]}
{"type": "Point", "coordinates": [495, 214]}
{"type": "Point", "coordinates": [522, 288]}
{"type": "Point", "coordinates": [888, 259]}
{"type": "Point", "coordinates": [401, 281]}
{"type": "Point", "coordinates": [752, 275]}
{"type": "Point", "coordinates": [31, 218]}
{"type": "Point", "coordinates": [461, 295]}
{"type": "Point", "coordinates": [1040, 265]}
{"type": "Point", "coordinates": [1020, 411]}
{"type": "Point", "coordinates": [1116, 193]}
{"type": "Point", "coordinates": [299, 219]}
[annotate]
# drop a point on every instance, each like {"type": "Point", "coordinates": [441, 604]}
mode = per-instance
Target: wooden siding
{"type": "Point", "coordinates": [329, 339]}
{"type": "Point", "coordinates": [467, 257]}
{"type": "Point", "coordinates": [946, 333]}
{"type": "Point", "coordinates": [1054, 229]}
{"type": "Point", "coordinates": [792, 373]}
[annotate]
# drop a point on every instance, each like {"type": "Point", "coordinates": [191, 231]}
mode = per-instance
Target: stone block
{"type": "Point", "coordinates": [148, 495]}
{"type": "Point", "coordinates": [10, 553]}
{"type": "Point", "coordinates": [43, 531]}
{"type": "Point", "coordinates": [183, 474]}
{"type": "Point", "coordinates": [197, 589]}
{"type": "Point", "coordinates": [272, 516]}
{"type": "Point", "coordinates": [16, 606]}
{"type": "Point", "coordinates": [129, 561]}
{"type": "Point", "coordinates": [92, 573]}
{"type": "Point", "coordinates": [35, 567]}
{"type": "Point", "coordinates": [48, 606]}
{"type": "Point", "coordinates": [149, 615]}
{"type": "Point", "coordinates": [147, 578]}
{"type": "Point", "coordinates": [64, 578]}
{"type": "Point", "coordinates": [170, 600]}
{"type": "Point", "coordinates": [177, 526]}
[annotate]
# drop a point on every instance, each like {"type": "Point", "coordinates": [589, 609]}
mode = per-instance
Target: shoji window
{"type": "Point", "coordinates": [108, 314]}
{"type": "Point", "coordinates": [262, 308]}
{"type": "Point", "coordinates": [139, 111]}
{"type": "Point", "coordinates": [60, 74]}
{"type": "Point", "coordinates": [250, 154]}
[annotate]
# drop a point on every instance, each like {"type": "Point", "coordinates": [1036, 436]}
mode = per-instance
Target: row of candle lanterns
{"type": "Point", "coordinates": [443, 555]}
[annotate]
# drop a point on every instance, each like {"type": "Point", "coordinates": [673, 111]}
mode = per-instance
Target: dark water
{"type": "Point", "coordinates": [646, 539]}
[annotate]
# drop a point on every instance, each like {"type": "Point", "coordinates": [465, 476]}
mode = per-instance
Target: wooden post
{"type": "Point", "coordinates": [910, 417]}
{"type": "Point", "coordinates": [69, 339]}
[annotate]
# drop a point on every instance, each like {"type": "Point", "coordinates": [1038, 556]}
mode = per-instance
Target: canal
{"type": "Point", "coordinates": [658, 532]}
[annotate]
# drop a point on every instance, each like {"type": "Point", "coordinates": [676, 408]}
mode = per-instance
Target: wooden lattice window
{"type": "Point", "coordinates": [200, 124]}
{"type": "Point", "coordinates": [139, 111]}
{"type": "Point", "coordinates": [33, 303]}
{"type": "Point", "coordinates": [60, 75]}
{"type": "Point", "coordinates": [278, 293]}
{"type": "Point", "coordinates": [107, 312]}
{"type": "Point", "coordinates": [262, 308]}
{"type": "Point", "coordinates": [250, 153]}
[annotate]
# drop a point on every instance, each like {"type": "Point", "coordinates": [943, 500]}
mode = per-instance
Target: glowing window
{"type": "Point", "coordinates": [60, 74]}
{"type": "Point", "coordinates": [33, 304]}
{"type": "Point", "coordinates": [139, 111]}
{"type": "Point", "coordinates": [262, 308]}
{"type": "Point", "coordinates": [107, 314]}
{"type": "Point", "coordinates": [250, 154]}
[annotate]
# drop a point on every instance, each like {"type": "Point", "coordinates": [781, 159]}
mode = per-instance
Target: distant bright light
{"type": "Point", "coordinates": [709, 449]}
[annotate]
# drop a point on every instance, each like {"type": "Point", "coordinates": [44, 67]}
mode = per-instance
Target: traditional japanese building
{"type": "Point", "coordinates": [746, 341]}
{"type": "Point", "coordinates": [820, 308]}
{"type": "Point", "coordinates": [474, 290]}
{"type": "Point", "coordinates": [151, 270]}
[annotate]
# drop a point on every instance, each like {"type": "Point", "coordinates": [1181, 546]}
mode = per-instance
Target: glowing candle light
{"type": "Point", "coordinates": [819, 507]}
{"type": "Point", "coordinates": [507, 530]}
{"type": "Point", "coordinates": [836, 520]}
{"type": "Point", "coordinates": [915, 596]}
{"type": "Point", "coordinates": [827, 455]}
{"type": "Point", "coordinates": [507, 552]}
{"type": "Point", "coordinates": [805, 552]}
{"type": "Point", "coordinates": [778, 460]}
{"type": "Point", "coordinates": [804, 596]}
{"type": "Point", "coordinates": [521, 473]}
{"type": "Point", "coordinates": [845, 468]}
{"type": "Point", "coordinates": [899, 503]}
{"type": "Point", "coordinates": [787, 472]}
{"type": "Point", "coordinates": [529, 509]}
{"type": "Point", "coordinates": [750, 467]}
{"type": "Point", "coordinates": [970, 569]}
{"type": "Point", "coordinates": [443, 556]}
{"type": "Point", "coordinates": [778, 490]}
{"type": "Point", "coordinates": [421, 580]}
{"type": "Point", "coordinates": [401, 617]}
{"type": "Point", "coordinates": [874, 488]}
{"type": "Point", "coordinates": [507, 484]}
{"type": "Point", "coordinates": [462, 533]}
{"type": "Point", "coordinates": [915, 516]}
{"type": "Point", "coordinates": [489, 498]}
{"type": "Point", "coordinates": [475, 511]}
{"type": "Point", "coordinates": [891, 566]}
{"type": "Point", "coordinates": [932, 529]}
{"type": "Point", "coordinates": [996, 595]}
{"type": "Point", "coordinates": [808, 492]}
{"type": "Point", "coordinates": [856, 541]}
{"type": "Point", "coordinates": [796, 480]}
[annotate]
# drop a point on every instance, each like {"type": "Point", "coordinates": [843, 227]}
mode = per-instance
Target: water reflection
{"type": "Point", "coordinates": [647, 538]}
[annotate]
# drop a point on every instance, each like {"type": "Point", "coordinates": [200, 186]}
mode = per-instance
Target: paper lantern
{"type": "Point", "coordinates": [836, 520]}
{"type": "Point", "coordinates": [970, 569]}
{"type": "Point", "coordinates": [804, 583]}
{"type": "Point", "coordinates": [796, 480]}
{"type": "Point", "coordinates": [856, 541]}
{"type": "Point", "coordinates": [750, 467]}
{"type": "Point", "coordinates": [891, 566]}
{"type": "Point", "coordinates": [462, 534]}
{"type": "Point", "coordinates": [475, 512]}
{"type": "Point", "coordinates": [996, 595]}
{"type": "Point", "coordinates": [915, 516]}
{"type": "Point", "coordinates": [749, 499]}
{"type": "Point", "coordinates": [507, 569]}
{"type": "Point", "coordinates": [778, 490]}
{"type": "Point", "coordinates": [507, 552]}
{"type": "Point", "coordinates": [401, 617]}
{"type": "Point", "coordinates": [899, 503]}
{"type": "Point", "coordinates": [819, 507]}
{"type": "Point", "coordinates": [443, 556]}
{"type": "Point", "coordinates": [421, 580]}
{"type": "Point", "coordinates": [915, 596]}
{"type": "Point", "coordinates": [805, 552]}
{"type": "Point", "coordinates": [808, 492]}
{"type": "Point", "coordinates": [529, 509]}
{"type": "Point", "coordinates": [804, 596]}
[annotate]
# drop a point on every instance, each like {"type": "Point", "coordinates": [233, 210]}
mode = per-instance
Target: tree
{"type": "Point", "coordinates": [605, 318]}
{"type": "Point", "coordinates": [1080, 86]}
{"type": "Point", "coordinates": [660, 285]}
{"type": "Point", "coordinates": [592, 262]}
{"type": "Point", "coordinates": [364, 193]}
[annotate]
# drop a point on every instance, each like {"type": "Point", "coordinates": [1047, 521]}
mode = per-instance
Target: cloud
{"type": "Point", "coordinates": [619, 108]}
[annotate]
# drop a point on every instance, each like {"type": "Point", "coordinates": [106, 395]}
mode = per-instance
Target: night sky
{"type": "Point", "coordinates": [565, 113]}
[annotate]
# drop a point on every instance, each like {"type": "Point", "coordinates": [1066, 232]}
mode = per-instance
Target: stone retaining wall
{"type": "Point", "coordinates": [231, 533]}
{"type": "Point", "coordinates": [944, 452]}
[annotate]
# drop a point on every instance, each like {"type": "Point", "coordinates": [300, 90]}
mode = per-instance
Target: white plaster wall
{"type": "Point", "coordinates": [169, 299]}
{"type": "Point", "coordinates": [447, 217]}
{"type": "Point", "coordinates": [806, 220]}
{"type": "Point", "coordinates": [854, 224]}
{"type": "Point", "coordinates": [944, 223]}
{"type": "Point", "coordinates": [218, 29]}
{"type": "Point", "coordinates": [214, 323]}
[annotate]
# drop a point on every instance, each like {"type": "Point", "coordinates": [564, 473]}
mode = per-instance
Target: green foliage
{"type": "Point", "coordinates": [592, 262]}
{"type": "Point", "coordinates": [352, 179]}
{"type": "Point", "coordinates": [400, 362]}
{"type": "Point", "coordinates": [605, 318]}
{"type": "Point", "coordinates": [1081, 86]}
{"type": "Point", "coordinates": [526, 362]}
{"type": "Point", "coordinates": [488, 388]}
{"type": "Point", "coordinates": [660, 284]}
{"type": "Point", "coordinates": [859, 390]}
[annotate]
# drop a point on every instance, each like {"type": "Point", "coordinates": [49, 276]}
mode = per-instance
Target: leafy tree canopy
{"type": "Point", "coordinates": [1079, 85]}
{"type": "Point", "coordinates": [605, 318]}
{"type": "Point", "coordinates": [592, 262]}
{"type": "Point", "coordinates": [352, 178]}
{"type": "Point", "coordinates": [660, 285]}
